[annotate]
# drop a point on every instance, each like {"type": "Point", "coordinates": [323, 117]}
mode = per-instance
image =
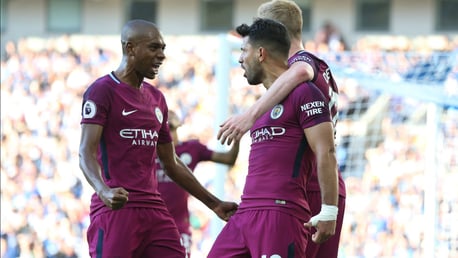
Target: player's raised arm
{"type": "Point", "coordinates": [236, 126]}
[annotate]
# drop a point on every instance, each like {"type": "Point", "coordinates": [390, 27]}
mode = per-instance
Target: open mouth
{"type": "Point", "coordinates": [244, 71]}
{"type": "Point", "coordinates": [156, 67]}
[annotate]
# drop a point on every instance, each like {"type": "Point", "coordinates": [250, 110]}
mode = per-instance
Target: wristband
{"type": "Point", "coordinates": [327, 213]}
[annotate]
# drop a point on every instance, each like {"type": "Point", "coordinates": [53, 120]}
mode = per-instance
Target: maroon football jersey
{"type": "Point", "coordinates": [134, 121]}
{"type": "Point", "coordinates": [325, 82]}
{"type": "Point", "coordinates": [280, 159]}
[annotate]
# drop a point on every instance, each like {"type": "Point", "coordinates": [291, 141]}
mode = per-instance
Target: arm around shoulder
{"type": "Point", "coordinates": [234, 127]}
{"type": "Point", "coordinates": [297, 73]}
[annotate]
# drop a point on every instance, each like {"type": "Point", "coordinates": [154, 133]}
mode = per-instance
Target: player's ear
{"type": "Point", "coordinates": [129, 47]}
{"type": "Point", "coordinates": [261, 52]}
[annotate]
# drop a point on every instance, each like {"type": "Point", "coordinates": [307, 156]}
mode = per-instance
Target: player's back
{"type": "Point", "coordinates": [326, 83]}
{"type": "Point", "coordinates": [323, 78]}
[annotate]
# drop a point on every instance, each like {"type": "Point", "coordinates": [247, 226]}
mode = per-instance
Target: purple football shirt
{"type": "Point", "coordinates": [176, 198]}
{"type": "Point", "coordinates": [325, 82]}
{"type": "Point", "coordinates": [134, 121]}
{"type": "Point", "coordinates": [280, 159]}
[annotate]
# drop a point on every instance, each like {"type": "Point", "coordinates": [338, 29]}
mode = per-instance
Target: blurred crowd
{"type": "Point", "coordinates": [45, 198]}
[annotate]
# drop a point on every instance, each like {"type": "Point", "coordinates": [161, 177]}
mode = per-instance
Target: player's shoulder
{"type": "Point", "coordinates": [308, 90]}
{"type": "Point", "coordinates": [152, 89]}
{"type": "Point", "coordinates": [307, 56]}
{"type": "Point", "coordinates": [307, 87]}
{"type": "Point", "coordinates": [103, 83]}
{"type": "Point", "coordinates": [301, 55]}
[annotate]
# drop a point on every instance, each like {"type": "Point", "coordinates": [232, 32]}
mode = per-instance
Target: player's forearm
{"type": "Point", "coordinates": [228, 157]}
{"type": "Point", "coordinates": [281, 87]}
{"type": "Point", "coordinates": [183, 176]}
{"type": "Point", "coordinates": [233, 153]}
{"type": "Point", "coordinates": [92, 173]}
{"type": "Point", "coordinates": [328, 179]}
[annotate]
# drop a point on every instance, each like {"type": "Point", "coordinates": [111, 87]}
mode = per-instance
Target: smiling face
{"type": "Point", "coordinates": [249, 60]}
{"type": "Point", "coordinates": [149, 55]}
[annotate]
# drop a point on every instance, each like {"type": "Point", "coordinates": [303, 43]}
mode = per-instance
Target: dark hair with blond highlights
{"type": "Point", "coordinates": [267, 33]}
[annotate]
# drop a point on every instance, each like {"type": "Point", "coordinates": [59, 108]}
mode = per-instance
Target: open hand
{"type": "Point", "coordinates": [234, 128]}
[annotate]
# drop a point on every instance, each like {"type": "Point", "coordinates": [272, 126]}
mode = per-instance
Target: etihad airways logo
{"type": "Point", "coordinates": [140, 137]}
{"type": "Point", "coordinates": [267, 133]}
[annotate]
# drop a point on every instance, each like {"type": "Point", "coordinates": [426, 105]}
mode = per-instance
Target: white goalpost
{"type": "Point", "coordinates": [226, 44]}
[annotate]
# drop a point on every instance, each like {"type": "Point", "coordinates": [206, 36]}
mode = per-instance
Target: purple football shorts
{"type": "Point", "coordinates": [134, 232]}
{"type": "Point", "coordinates": [330, 248]}
{"type": "Point", "coordinates": [261, 234]}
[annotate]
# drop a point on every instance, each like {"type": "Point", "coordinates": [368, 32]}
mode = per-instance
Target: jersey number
{"type": "Point", "coordinates": [333, 98]}
{"type": "Point", "coordinates": [327, 75]}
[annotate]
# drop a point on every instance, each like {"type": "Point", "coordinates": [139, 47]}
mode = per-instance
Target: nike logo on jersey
{"type": "Point", "coordinates": [126, 113]}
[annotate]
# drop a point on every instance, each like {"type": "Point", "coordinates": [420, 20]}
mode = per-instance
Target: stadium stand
{"type": "Point", "coordinates": [383, 140]}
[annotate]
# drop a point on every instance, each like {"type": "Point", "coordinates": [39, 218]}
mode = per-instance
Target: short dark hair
{"type": "Point", "coordinates": [268, 33]}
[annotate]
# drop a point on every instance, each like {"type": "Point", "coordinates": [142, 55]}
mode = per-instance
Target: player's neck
{"type": "Point", "coordinates": [128, 77]}
{"type": "Point", "coordinates": [273, 73]}
{"type": "Point", "coordinates": [296, 46]}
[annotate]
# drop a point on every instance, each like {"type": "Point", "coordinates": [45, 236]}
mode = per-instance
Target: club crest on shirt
{"type": "Point", "coordinates": [277, 111]}
{"type": "Point", "coordinates": [89, 109]}
{"type": "Point", "coordinates": [186, 158]}
{"type": "Point", "coordinates": [159, 115]}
